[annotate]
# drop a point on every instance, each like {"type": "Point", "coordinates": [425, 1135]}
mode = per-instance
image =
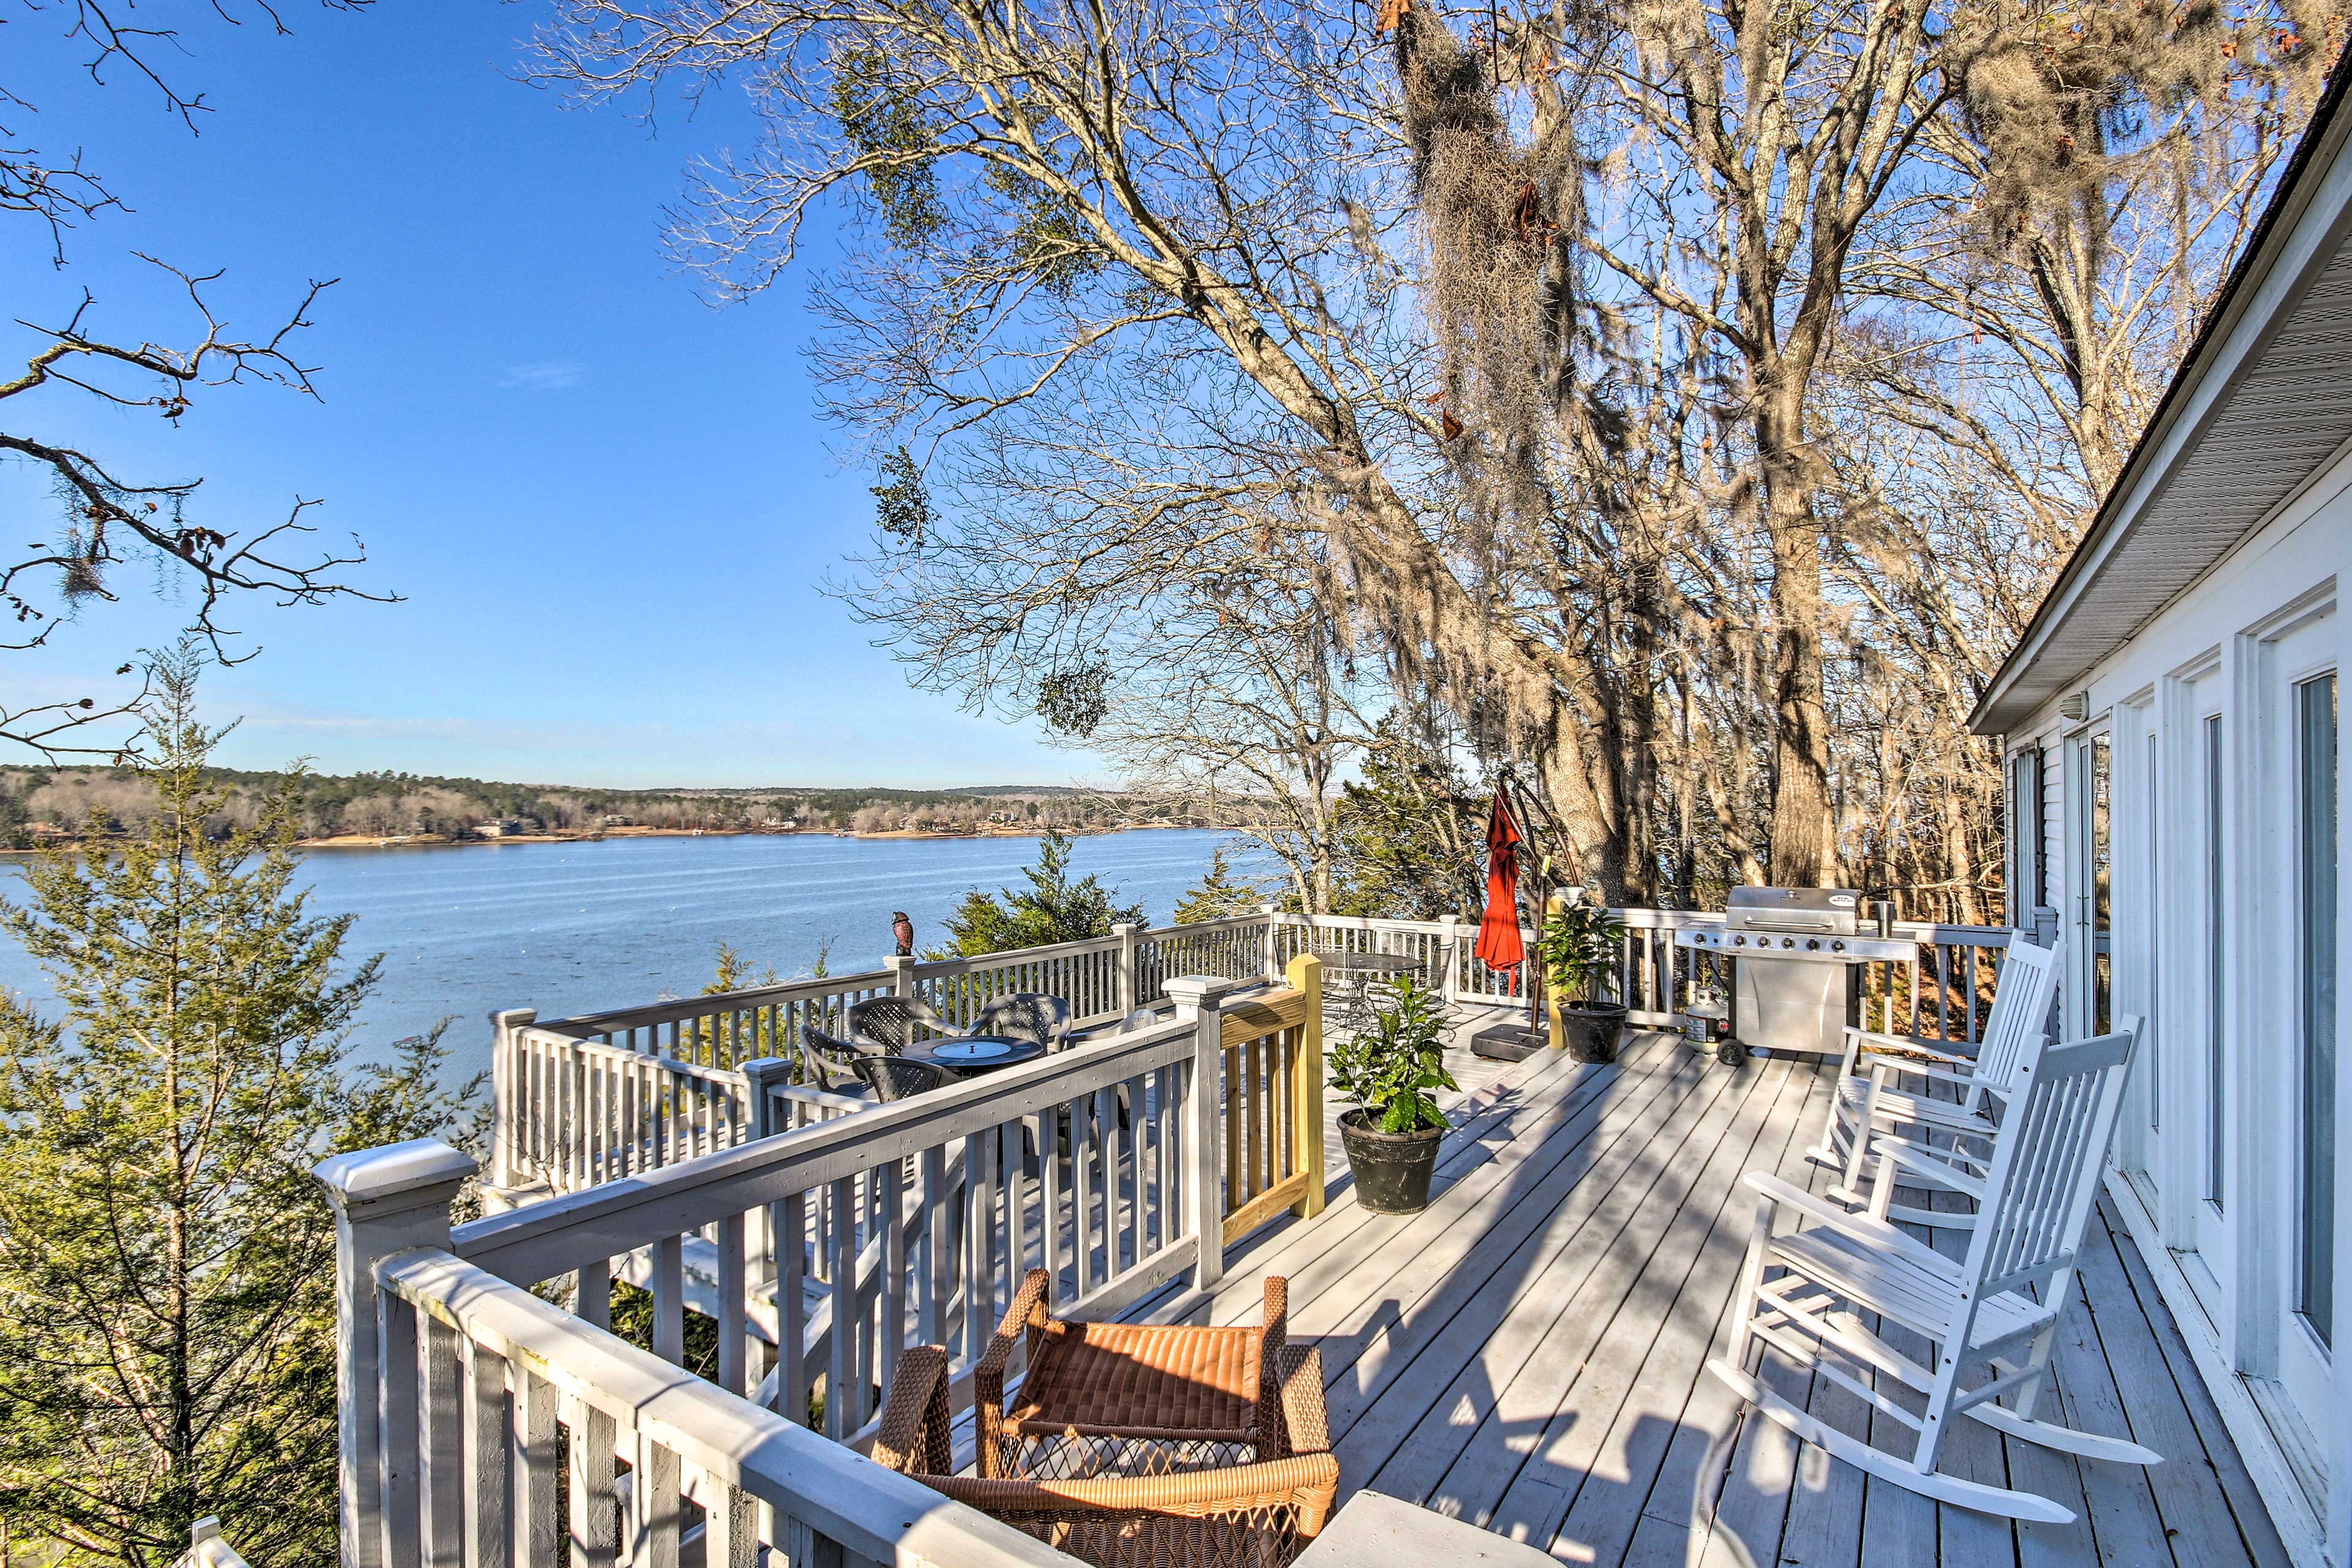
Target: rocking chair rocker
{"type": "Point", "coordinates": [2033, 1200]}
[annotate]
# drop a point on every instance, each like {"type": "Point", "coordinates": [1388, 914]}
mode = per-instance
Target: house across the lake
{"type": "Point", "coordinates": [2169, 726]}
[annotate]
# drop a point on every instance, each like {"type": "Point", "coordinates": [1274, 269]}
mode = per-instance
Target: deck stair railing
{"type": "Point", "coordinates": [846, 1232]}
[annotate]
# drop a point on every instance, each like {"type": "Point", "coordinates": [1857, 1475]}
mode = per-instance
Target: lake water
{"type": "Point", "coordinates": [574, 928]}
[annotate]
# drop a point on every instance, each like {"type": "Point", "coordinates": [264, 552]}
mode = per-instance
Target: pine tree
{"type": "Point", "coordinates": [1220, 896]}
{"type": "Point", "coordinates": [166, 1264]}
{"type": "Point", "coordinates": [1053, 907]}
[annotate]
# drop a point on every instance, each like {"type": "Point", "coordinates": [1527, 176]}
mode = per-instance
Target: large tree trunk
{"type": "Point", "coordinates": [1804, 844]}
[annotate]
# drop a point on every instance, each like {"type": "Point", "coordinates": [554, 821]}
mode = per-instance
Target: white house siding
{"type": "Point", "coordinates": [2235, 643]}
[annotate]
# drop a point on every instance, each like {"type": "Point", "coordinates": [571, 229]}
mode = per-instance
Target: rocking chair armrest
{"type": "Point", "coordinates": [1861, 1226]}
{"type": "Point", "coordinates": [1881, 1061]}
{"type": "Point", "coordinates": [1878, 1043]}
{"type": "Point", "coordinates": [1929, 1164]}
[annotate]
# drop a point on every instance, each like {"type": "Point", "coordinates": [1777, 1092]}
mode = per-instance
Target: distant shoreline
{"type": "Point", "coordinates": [342, 841]}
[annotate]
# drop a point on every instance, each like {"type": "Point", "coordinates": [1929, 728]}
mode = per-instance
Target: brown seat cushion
{"type": "Point", "coordinates": [1140, 1380]}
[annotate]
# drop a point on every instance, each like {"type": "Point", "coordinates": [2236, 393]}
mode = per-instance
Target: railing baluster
{"type": "Point", "coordinates": [538, 1529]}
{"type": "Point", "coordinates": [442, 1428]}
{"type": "Point", "coordinates": [669, 1300]}
{"type": "Point", "coordinates": [595, 1497]}
{"type": "Point", "coordinates": [1943, 992]}
{"type": "Point", "coordinates": [730, 1537]}
{"type": "Point", "coordinates": [789, 1215]}
{"type": "Point", "coordinates": [894, 1267]}
{"type": "Point", "coordinates": [403, 1515]}
{"type": "Point", "coordinates": [655, 1506]}
{"type": "Point", "coordinates": [491, 1535]}
{"type": "Point", "coordinates": [1138, 1242]}
{"type": "Point", "coordinates": [1105, 1109]}
{"type": "Point", "coordinates": [734, 1346]}
{"type": "Point", "coordinates": [980, 1233]}
{"type": "Point", "coordinates": [843, 1410]}
{"type": "Point", "coordinates": [931, 1307]}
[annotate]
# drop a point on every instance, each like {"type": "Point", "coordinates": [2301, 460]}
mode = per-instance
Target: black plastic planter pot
{"type": "Point", "coordinates": [1590, 1034]}
{"type": "Point", "coordinates": [1392, 1169]}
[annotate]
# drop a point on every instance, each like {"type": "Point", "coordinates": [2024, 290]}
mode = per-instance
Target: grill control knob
{"type": "Point", "coordinates": [1837, 947]}
{"type": "Point", "coordinates": [1788, 942]}
{"type": "Point", "coordinates": [1812, 944]}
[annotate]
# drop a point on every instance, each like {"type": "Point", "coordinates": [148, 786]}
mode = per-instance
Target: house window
{"type": "Point", "coordinates": [2027, 826]}
{"type": "Point", "coordinates": [2315, 732]}
{"type": "Point", "coordinates": [2215, 1080]}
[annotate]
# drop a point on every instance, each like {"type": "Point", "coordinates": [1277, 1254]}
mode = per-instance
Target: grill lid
{"type": "Point", "coordinates": [1834, 911]}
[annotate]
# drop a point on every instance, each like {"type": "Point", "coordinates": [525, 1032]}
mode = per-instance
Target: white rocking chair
{"type": "Point", "coordinates": [2033, 1202]}
{"type": "Point", "coordinates": [1867, 1096]}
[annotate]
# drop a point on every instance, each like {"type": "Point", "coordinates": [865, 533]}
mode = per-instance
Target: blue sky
{"type": "Point", "coordinates": [609, 507]}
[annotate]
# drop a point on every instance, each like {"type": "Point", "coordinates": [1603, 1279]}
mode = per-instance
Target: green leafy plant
{"type": "Point", "coordinates": [1391, 1068]}
{"type": "Point", "coordinates": [1055, 907]}
{"type": "Point", "coordinates": [1578, 948]}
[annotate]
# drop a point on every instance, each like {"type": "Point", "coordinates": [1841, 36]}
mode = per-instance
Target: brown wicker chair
{"type": "Point", "coordinates": [1259, 1515]}
{"type": "Point", "coordinates": [1116, 1398]}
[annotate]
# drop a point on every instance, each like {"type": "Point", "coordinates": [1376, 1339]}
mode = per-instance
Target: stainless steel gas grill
{"type": "Point", "coordinates": [1793, 953]}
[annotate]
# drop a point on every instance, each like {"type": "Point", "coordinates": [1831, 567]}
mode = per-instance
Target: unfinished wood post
{"type": "Point", "coordinates": [1201, 998]}
{"type": "Point", "coordinates": [386, 1201]}
{"type": "Point", "coordinates": [1306, 977]}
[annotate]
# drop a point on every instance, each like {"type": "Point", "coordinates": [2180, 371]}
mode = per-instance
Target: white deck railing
{"type": "Point", "coordinates": [580, 1101]}
{"type": "Point", "coordinates": [835, 1233]}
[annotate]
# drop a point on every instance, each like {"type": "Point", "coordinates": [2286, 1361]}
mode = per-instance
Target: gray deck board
{"type": "Point", "coordinates": [1529, 1353]}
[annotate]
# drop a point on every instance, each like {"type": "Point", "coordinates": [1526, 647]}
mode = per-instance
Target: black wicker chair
{"type": "Point", "coordinates": [897, 1077]}
{"type": "Point", "coordinates": [893, 1022]}
{"type": "Point", "coordinates": [825, 1058]}
{"type": "Point", "coordinates": [1026, 1016]}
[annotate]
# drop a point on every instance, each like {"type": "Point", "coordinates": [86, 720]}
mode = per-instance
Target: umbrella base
{"type": "Point", "coordinates": [1508, 1042]}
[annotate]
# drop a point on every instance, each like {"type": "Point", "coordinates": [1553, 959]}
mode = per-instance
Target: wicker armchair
{"type": "Point", "coordinates": [825, 1058]}
{"type": "Point", "coordinates": [893, 1022]}
{"type": "Point", "coordinates": [1100, 1398]}
{"type": "Point", "coordinates": [1257, 1515]}
{"type": "Point", "coordinates": [898, 1078]}
{"type": "Point", "coordinates": [1026, 1016]}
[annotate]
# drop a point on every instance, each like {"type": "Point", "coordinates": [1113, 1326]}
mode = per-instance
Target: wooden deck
{"type": "Point", "coordinates": [1528, 1353]}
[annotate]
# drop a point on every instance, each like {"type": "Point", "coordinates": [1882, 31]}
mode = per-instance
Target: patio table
{"type": "Point", "coordinates": [971, 1054]}
{"type": "Point", "coordinates": [1349, 979]}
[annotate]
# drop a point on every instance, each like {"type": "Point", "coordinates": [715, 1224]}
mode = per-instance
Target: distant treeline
{"type": "Point", "coordinates": [43, 804]}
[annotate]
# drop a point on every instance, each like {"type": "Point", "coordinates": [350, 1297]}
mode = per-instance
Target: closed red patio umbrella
{"type": "Point", "coordinates": [1499, 946]}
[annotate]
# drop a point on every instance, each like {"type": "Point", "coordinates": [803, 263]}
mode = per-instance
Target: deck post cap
{"type": "Point", "coordinates": [375, 1177]}
{"type": "Point", "coordinates": [1200, 991]}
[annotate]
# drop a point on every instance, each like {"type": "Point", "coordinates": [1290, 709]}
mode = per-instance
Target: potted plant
{"type": "Point", "coordinates": [1578, 947]}
{"type": "Point", "coordinates": [1388, 1072]}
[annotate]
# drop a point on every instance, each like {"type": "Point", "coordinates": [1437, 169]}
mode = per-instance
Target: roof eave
{"type": "Point", "coordinates": [2218, 344]}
